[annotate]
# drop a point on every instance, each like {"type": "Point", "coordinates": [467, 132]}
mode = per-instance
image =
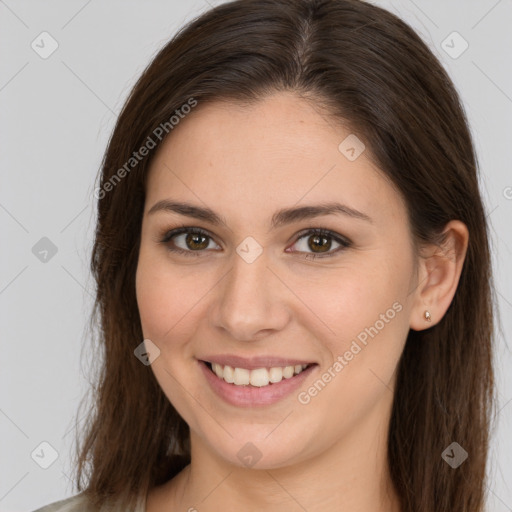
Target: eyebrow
{"type": "Point", "coordinates": [280, 218]}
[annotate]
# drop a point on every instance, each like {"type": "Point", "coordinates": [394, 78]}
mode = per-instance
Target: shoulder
{"type": "Point", "coordinates": [78, 503]}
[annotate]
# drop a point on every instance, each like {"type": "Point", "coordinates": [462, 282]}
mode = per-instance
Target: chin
{"type": "Point", "coordinates": [257, 447]}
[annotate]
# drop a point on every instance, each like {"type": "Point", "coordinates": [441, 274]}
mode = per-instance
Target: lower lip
{"type": "Point", "coordinates": [249, 396]}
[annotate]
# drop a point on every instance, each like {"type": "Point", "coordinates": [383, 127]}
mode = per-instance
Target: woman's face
{"type": "Point", "coordinates": [247, 292]}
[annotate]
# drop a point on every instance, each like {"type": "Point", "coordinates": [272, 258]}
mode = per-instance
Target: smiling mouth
{"type": "Point", "coordinates": [258, 377]}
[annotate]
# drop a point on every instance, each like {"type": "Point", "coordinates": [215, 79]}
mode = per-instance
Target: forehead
{"type": "Point", "coordinates": [275, 152]}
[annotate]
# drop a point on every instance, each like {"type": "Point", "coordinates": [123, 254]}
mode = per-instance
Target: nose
{"type": "Point", "coordinates": [251, 301]}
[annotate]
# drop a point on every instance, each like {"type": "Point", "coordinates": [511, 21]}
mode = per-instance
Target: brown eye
{"type": "Point", "coordinates": [189, 241]}
{"type": "Point", "coordinates": [320, 243]}
{"type": "Point", "coordinates": [195, 242]}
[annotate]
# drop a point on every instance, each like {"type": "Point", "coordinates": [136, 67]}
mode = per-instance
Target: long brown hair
{"type": "Point", "coordinates": [371, 71]}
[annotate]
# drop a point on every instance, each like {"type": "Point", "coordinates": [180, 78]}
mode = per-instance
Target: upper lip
{"type": "Point", "coordinates": [252, 363]}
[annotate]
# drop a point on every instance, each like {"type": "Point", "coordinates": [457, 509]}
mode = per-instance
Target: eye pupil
{"type": "Point", "coordinates": [192, 239]}
{"type": "Point", "coordinates": [317, 244]}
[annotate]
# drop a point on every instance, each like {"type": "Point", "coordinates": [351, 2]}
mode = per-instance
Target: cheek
{"type": "Point", "coordinates": [149, 300]}
{"type": "Point", "coordinates": [368, 313]}
{"type": "Point", "coordinates": [355, 298]}
{"type": "Point", "coordinates": [168, 317]}
{"type": "Point", "coordinates": [364, 321]}
{"type": "Point", "coordinates": [157, 301]}
{"type": "Point", "coordinates": [169, 301]}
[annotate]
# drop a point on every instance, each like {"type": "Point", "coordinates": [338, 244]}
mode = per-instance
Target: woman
{"type": "Point", "coordinates": [293, 275]}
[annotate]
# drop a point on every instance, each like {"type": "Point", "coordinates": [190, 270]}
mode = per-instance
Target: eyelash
{"type": "Point", "coordinates": [345, 243]}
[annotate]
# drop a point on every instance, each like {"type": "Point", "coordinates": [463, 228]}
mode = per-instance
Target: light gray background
{"type": "Point", "coordinates": [56, 117]}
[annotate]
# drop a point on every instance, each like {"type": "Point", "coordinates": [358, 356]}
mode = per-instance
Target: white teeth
{"type": "Point", "coordinates": [288, 372]}
{"type": "Point", "coordinates": [217, 368]}
{"type": "Point", "coordinates": [275, 375]}
{"type": "Point", "coordinates": [241, 376]}
{"type": "Point", "coordinates": [259, 377]}
{"type": "Point", "coordinates": [228, 374]}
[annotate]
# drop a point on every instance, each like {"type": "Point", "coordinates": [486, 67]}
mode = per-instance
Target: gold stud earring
{"type": "Point", "coordinates": [427, 316]}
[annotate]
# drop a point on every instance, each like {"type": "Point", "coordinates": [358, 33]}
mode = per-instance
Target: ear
{"type": "Point", "coordinates": [438, 275]}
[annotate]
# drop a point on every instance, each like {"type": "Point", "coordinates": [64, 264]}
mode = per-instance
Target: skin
{"type": "Point", "coordinates": [245, 163]}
